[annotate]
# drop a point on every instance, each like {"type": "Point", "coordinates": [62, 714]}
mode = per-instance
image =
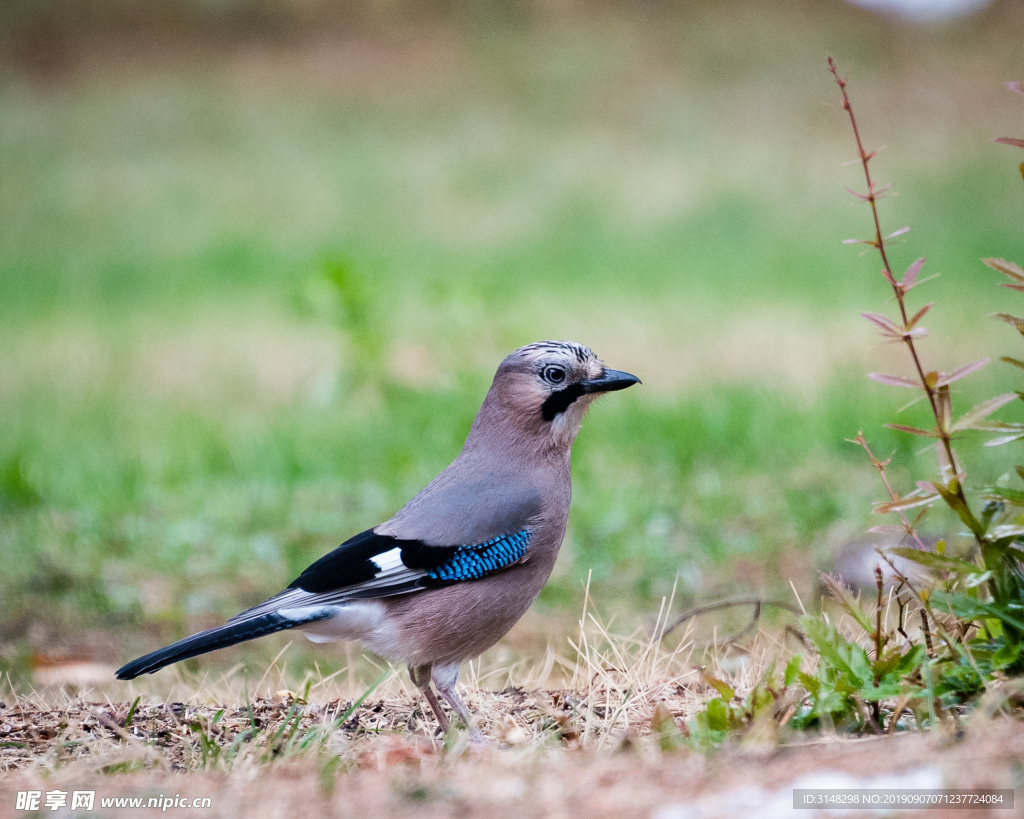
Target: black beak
{"type": "Point", "coordinates": [610, 381]}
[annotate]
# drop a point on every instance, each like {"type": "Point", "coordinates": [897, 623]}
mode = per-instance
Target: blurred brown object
{"type": "Point", "coordinates": [55, 671]}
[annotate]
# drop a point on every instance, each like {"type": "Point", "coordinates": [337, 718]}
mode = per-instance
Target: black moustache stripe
{"type": "Point", "coordinates": [560, 400]}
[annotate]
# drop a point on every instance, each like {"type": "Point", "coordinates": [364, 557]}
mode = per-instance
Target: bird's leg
{"type": "Point", "coordinates": [445, 677]}
{"type": "Point", "coordinates": [420, 676]}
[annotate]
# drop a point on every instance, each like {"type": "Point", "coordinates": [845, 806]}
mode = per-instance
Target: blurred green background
{"type": "Point", "coordinates": [260, 258]}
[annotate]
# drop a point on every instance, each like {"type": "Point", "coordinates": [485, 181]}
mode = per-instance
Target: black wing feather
{"type": "Point", "coordinates": [352, 562]}
{"type": "Point", "coordinates": [209, 640]}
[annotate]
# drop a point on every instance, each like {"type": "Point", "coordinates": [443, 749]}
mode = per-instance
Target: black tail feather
{"type": "Point", "coordinates": [204, 641]}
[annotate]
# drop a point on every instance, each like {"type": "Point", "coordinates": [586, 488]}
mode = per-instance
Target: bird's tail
{"type": "Point", "coordinates": [209, 640]}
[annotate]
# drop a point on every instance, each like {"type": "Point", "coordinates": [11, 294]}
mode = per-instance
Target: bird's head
{"type": "Point", "coordinates": [543, 390]}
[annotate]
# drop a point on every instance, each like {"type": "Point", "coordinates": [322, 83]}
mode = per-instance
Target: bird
{"type": "Point", "coordinates": [456, 567]}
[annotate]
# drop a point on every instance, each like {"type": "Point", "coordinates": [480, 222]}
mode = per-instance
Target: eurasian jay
{"type": "Point", "coordinates": [445, 578]}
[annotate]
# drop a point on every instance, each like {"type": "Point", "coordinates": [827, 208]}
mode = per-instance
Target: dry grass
{"type": "Point", "coordinates": [601, 695]}
{"type": "Point", "coordinates": [580, 749]}
{"type": "Point", "coordinates": [597, 696]}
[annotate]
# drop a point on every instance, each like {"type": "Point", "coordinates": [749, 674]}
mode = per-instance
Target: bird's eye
{"type": "Point", "coordinates": [556, 375]}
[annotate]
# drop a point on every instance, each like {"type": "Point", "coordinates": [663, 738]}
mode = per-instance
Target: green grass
{"type": "Point", "coordinates": [678, 210]}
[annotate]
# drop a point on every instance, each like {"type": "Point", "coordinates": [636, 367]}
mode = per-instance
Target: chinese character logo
{"type": "Point", "coordinates": [28, 800]}
{"type": "Point", "coordinates": [83, 800]}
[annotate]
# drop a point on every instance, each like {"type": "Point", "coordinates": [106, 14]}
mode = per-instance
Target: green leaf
{"type": "Point", "coordinates": [847, 601]}
{"type": "Point", "coordinates": [723, 688]}
{"type": "Point", "coordinates": [992, 509]}
{"type": "Point", "coordinates": [898, 663]}
{"type": "Point", "coordinates": [859, 662]}
{"type": "Point", "coordinates": [823, 636]}
{"type": "Point", "coordinates": [883, 691]}
{"type": "Point", "coordinates": [718, 714]}
{"type": "Point", "coordinates": [831, 703]}
{"type": "Point", "coordinates": [962, 679]}
{"type": "Point", "coordinates": [954, 502]}
{"type": "Point", "coordinates": [848, 658]}
{"type": "Point", "coordinates": [910, 661]}
{"type": "Point", "coordinates": [812, 684]}
{"type": "Point", "coordinates": [135, 705]}
{"type": "Point", "coordinates": [16, 490]}
{"type": "Point", "coordinates": [1013, 496]}
{"type": "Point", "coordinates": [880, 668]}
{"type": "Point", "coordinates": [891, 673]}
{"type": "Point", "coordinates": [1006, 656]}
{"type": "Point", "coordinates": [792, 670]}
{"type": "Point", "coordinates": [970, 608]}
{"type": "Point", "coordinates": [759, 700]}
{"type": "Point", "coordinates": [938, 562]}
{"type": "Point", "coordinates": [665, 729]}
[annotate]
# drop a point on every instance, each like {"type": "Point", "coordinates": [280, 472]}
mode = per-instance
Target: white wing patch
{"type": "Point", "coordinates": [296, 604]}
{"type": "Point", "coordinates": [388, 561]}
{"type": "Point", "coordinates": [392, 573]}
{"type": "Point", "coordinates": [302, 614]}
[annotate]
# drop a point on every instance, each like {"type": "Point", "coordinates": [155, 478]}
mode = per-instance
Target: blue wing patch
{"type": "Point", "coordinates": [470, 562]}
{"type": "Point", "coordinates": [371, 565]}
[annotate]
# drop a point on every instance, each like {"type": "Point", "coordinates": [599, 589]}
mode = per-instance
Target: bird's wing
{"type": "Point", "coordinates": [371, 565]}
{"type": "Point", "coordinates": [473, 503]}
